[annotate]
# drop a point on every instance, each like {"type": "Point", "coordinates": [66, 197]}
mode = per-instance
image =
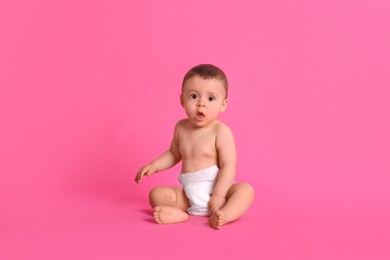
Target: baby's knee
{"type": "Point", "coordinates": [156, 191]}
{"type": "Point", "coordinates": [161, 192]}
{"type": "Point", "coordinates": [247, 187]}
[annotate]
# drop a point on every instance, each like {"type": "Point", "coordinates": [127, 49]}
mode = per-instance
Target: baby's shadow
{"type": "Point", "coordinates": [148, 212]}
{"type": "Point", "coordinates": [148, 215]}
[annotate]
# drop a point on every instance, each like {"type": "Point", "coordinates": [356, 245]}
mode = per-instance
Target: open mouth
{"type": "Point", "coordinates": [199, 115]}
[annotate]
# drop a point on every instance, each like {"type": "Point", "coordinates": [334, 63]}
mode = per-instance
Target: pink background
{"type": "Point", "coordinates": [90, 92]}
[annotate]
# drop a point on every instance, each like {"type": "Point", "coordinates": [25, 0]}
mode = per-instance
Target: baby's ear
{"type": "Point", "coordinates": [182, 100]}
{"type": "Point", "coordinates": [224, 105]}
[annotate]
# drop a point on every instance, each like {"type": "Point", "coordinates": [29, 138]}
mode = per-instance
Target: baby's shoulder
{"type": "Point", "coordinates": [181, 124]}
{"type": "Point", "coordinates": [223, 132]}
{"type": "Point", "coordinates": [219, 126]}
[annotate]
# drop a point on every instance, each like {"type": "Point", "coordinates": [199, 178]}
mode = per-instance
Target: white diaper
{"type": "Point", "coordinates": [198, 187]}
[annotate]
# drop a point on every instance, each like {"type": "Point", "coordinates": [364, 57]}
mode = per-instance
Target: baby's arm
{"type": "Point", "coordinates": [227, 162]}
{"type": "Point", "coordinates": [163, 162]}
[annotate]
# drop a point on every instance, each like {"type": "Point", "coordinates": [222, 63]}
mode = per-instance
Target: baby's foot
{"type": "Point", "coordinates": [217, 219]}
{"type": "Point", "coordinates": [169, 215]}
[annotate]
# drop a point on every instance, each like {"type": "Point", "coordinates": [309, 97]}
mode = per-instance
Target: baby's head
{"type": "Point", "coordinates": [204, 94]}
{"type": "Point", "coordinates": [207, 71]}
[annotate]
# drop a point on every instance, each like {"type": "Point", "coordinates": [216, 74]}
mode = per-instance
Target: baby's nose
{"type": "Point", "coordinates": [200, 104]}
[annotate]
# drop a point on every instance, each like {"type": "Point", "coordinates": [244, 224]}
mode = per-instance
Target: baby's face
{"type": "Point", "coordinates": [203, 100]}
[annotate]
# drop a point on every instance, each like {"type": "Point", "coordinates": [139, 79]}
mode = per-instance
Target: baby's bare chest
{"type": "Point", "coordinates": [197, 144]}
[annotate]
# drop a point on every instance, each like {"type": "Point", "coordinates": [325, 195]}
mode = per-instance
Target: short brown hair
{"type": "Point", "coordinates": [207, 71]}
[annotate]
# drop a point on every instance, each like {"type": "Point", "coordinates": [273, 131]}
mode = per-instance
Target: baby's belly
{"type": "Point", "coordinates": [194, 165]}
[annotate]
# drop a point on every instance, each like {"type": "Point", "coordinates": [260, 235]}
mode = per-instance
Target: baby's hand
{"type": "Point", "coordinates": [147, 170]}
{"type": "Point", "coordinates": [216, 203]}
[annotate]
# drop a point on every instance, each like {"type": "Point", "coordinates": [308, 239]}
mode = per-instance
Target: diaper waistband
{"type": "Point", "coordinates": [208, 174]}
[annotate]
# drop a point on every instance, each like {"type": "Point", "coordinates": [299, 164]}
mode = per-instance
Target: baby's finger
{"type": "Point", "coordinates": [136, 179]}
{"type": "Point", "coordinates": [139, 176]}
{"type": "Point", "coordinates": [145, 171]}
{"type": "Point", "coordinates": [149, 172]}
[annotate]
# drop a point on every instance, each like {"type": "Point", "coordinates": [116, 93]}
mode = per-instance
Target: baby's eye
{"type": "Point", "coordinates": [211, 98]}
{"type": "Point", "coordinates": [194, 96]}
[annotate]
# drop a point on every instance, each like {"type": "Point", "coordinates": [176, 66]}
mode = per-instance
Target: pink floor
{"type": "Point", "coordinates": [121, 227]}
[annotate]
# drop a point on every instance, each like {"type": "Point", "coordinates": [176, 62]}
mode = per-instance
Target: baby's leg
{"type": "Point", "coordinates": [238, 200]}
{"type": "Point", "coordinates": [169, 204]}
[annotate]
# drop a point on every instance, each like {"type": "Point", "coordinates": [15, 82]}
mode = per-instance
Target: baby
{"type": "Point", "coordinates": [207, 150]}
